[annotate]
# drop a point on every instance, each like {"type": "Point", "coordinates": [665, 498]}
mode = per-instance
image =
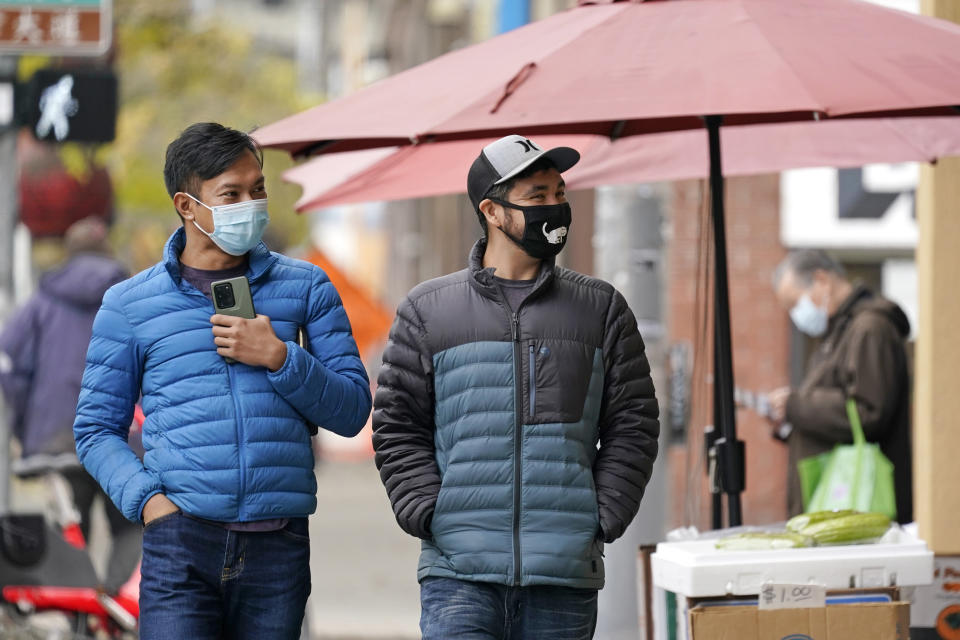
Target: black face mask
{"type": "Point", "coordinates": [546, 228]}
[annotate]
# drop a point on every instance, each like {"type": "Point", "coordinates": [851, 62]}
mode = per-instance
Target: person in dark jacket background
{"type": "Point", "coordinates": [862, 355]}
{"type": "Point", "coordinates": [42, 357]}
{"type": "Point", "coordinates": [515, 421]}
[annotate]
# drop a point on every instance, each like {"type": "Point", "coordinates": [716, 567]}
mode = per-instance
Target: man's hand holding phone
{"type": "Point", "coordinates": [251, 342]}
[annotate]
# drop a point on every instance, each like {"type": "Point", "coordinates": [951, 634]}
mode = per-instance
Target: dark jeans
{"type": "Point", "coordinates": [480, 611]}
{"type": "Point", "coordinates": [201, 581]}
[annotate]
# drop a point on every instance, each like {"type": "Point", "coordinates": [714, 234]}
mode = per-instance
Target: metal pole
{"type": "Point", "coordinates": [9, 213]}
{"type": "Point", "coordinates": [730, 451]}
{"type": "Point", "coordinates": [310, 46]}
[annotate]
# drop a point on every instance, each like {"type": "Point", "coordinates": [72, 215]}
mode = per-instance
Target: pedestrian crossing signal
{"type": "Point", "coordinates": [72, 105]}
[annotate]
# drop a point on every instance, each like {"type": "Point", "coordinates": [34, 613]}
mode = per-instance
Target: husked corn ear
{"type": "Point", "coordinates": [857, 527]}
{"type": "Point", "coordinates": [757, 541]}
{"type": "Point", "coordinates": [800, 522]}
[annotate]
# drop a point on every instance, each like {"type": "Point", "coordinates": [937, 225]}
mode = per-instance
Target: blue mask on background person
{"type": "Point", "coordinates": [238, 227]}
{"type": "Point", "coordinates": [809, 318]}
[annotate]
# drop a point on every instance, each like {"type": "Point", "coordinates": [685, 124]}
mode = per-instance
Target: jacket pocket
{"type": "Point", "coordinates": [557, 380]}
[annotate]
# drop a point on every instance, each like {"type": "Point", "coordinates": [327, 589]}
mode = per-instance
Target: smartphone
{"type": "Point", "coordinates": [232, 298]}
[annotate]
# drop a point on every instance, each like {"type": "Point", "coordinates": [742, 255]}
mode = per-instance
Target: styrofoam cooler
{"type": "Point", "coordinates": [697, 569]}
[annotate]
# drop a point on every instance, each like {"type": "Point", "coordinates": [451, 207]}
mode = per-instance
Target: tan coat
{"type": "Point", "coordinates": [862, 356]}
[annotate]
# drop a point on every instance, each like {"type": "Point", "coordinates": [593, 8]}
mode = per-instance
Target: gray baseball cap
{"type": "Point", "coordinates": [501, 160]}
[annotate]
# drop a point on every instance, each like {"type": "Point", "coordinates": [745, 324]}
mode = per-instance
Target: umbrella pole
{"type": "Point", "coordinates": [730, 451]}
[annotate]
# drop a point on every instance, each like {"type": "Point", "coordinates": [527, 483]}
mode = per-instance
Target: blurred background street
{"type": "Point", "coordinates": [156, 67]}
{"type": "Point", "coordinates": [364, 566]}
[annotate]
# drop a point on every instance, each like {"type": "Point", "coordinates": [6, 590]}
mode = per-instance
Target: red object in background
{"type": "Point", "coordinates": [138, 417]}
{"type": "Point", "coordinates": [79, 599]}
{"type": "Point", "coordinates": [75, 599]}
{"type": "Point", "coordinates": [73, 535]}
{"type": "Point", "coordinates": [53, 200]}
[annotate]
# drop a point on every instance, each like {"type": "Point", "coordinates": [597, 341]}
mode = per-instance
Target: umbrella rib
{"type": "Point", "coordinates": [909, 140]}
{"type": "Point", "coordinates": [786, 62]}
{"type": "Point", "coordinates": [525, 72]}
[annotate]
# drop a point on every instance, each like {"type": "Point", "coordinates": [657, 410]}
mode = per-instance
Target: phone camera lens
{"type": "Point", "coordinates": [223, 294]}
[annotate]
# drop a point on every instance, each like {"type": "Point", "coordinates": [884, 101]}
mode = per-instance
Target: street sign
{"type": "Point", "coordinates": [78, 105]}
{"type": "Point", "coordinates": [57, 27]}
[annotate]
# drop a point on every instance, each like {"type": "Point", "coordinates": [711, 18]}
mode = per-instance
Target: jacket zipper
{"type": "Point", "coordinates": [533, 380]}
{"type": "Point", "coordinates": [236, 408]}
{"type": "Point", "coordinates": [517, 450]}
{"type": "Point", "coordinates": [240, 453]}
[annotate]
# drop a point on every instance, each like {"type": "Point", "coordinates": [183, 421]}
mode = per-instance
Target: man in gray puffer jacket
{"type": "Point", "coordinates": [515, 423]}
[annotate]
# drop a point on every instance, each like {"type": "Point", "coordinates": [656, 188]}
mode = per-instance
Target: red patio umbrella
{"type": "Point", "coordinates": [624, 67]}
{"type": "Point", "coordinates": [440, 168]}
{"type": "Point", "coordinates": [619, 68]}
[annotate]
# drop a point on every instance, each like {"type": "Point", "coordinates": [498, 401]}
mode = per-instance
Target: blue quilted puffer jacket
{"type": "Point", "coordinates": [225, 442]}
{"type": "Point", "coordinates": [515, 442]}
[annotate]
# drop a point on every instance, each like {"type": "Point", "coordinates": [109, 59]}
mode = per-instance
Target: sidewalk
{"type": "Point", "coordinates": [364, 567]}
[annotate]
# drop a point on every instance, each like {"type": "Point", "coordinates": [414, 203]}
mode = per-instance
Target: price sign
{"type": "Point", "coordinates": [792, 596]}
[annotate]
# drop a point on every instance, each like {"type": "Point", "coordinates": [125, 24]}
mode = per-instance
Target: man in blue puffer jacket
{"type": "Point", "coordinates": [227, 481]}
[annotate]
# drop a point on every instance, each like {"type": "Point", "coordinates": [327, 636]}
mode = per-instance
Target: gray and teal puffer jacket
{"type": "Point", "coordinates": [515, 444]}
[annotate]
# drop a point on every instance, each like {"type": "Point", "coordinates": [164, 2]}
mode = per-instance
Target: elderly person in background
{"type": "Point", "coordinates": [862, 355]}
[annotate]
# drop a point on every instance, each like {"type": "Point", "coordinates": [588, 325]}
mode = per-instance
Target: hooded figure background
{"type": "Point", "coordinates": [43, 352]}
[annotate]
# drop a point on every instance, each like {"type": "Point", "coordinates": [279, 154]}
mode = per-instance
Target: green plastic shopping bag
{"type": "Point", "coordinates": [856, 476]}
{"type": "Point", "coordinates": [811, 470]}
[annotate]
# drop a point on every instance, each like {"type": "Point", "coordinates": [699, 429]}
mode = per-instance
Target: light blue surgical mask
{"type": "Point", "coordinates": [809, 318]}
{"type": "Point", "coordinates": [238, 227]}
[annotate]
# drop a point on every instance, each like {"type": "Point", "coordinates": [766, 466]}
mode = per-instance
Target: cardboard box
{"type": "Point", "coordinates": [935, 614]}
{"type": "Point", "coordinates": [875, 621]}
{"type": "Point", "coordinates": [671, 613]}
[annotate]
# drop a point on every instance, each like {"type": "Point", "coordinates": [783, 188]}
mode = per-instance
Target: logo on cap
{"type": "Point", "coordinates": [527, 145]}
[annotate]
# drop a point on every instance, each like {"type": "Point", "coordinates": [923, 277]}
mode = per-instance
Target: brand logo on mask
{"type": "Point", "coordinates": [556, 236]}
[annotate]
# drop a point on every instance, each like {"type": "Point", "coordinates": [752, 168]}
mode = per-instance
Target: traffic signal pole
{"type": "Point", "coordinates": [9, 201]}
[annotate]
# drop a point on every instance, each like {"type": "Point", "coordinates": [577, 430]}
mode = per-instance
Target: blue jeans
{"type": "Point", "coordinates": [481, 611]}
{"type": "Point", "coordinates": [200, 581]}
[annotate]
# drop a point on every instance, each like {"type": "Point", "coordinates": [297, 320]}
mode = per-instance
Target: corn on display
{"type": "Point", "coordinates": [848, 529]}
{"type": "Point", "coordinates": [760, 541]}
{"type": "Point", "coordinates": [818, 528]}
{"type": "Point", "coordinates": [800, 522]}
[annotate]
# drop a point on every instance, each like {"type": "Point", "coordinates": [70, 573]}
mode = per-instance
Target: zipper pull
{"type": "Point", "coordinates": [516, 328]}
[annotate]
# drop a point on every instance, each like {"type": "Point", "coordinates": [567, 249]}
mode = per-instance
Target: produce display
{"type": "Point", "coordinates": [845, 528]}
{"type": "Point", "coordinates": [809, 529]}
{"type": "Point", "coordinates": [760, 541]}
{"type": "Point", "coordinates": [800, 522]}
